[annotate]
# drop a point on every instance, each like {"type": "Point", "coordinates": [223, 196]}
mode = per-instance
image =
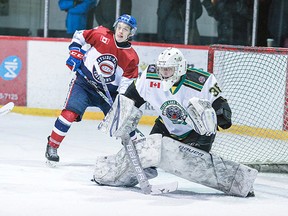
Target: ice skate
{"type": "Point", "coordinates": [251, 193]}
{"type": "Point", "coordinates": [51, 155]}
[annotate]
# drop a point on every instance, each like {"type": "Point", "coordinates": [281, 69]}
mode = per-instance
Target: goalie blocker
{"type": "Point", "coordinates": [181, 160]}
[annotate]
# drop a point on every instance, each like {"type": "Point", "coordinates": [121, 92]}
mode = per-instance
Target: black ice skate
{"type": "Point", "coordinates": [251, 193]}
{"type": "Point", "coordinates": [51, 153]}
{"type": "Point", "coordinates": [52, 156]}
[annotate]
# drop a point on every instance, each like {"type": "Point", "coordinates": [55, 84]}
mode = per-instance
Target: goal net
{"type": "Point", "coordinates": [254, 81]}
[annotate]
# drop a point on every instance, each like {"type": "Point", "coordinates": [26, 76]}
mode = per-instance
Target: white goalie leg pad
{"type": "Point", "coordinates": [116, 170]}
{"type": "Point", "coordinates": [207, 169]}
{"type": "Point", "coordinates": [202, 116]}
{"type": "Point", "coordinates": [122, 118]}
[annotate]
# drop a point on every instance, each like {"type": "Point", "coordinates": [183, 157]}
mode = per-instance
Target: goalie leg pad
{"type": "Point", "coordinates": [207, 169]}
{"type": "Point", "coordinates": [116, 170]}
{"type": "Point", "coordinates": [122, 118]}
{"type": "Point", "coordinates": [112, 170]}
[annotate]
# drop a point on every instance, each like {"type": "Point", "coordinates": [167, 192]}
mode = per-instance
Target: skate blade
{"type": "Point", "coordinates": [51, 164]}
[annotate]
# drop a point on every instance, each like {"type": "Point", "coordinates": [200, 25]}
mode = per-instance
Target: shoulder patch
{"type": "Point", "coordinates": [151, 72]}
{"type": "Point", "coordinates": [196, 78]}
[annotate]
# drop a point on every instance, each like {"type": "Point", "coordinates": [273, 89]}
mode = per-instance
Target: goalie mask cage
{"type": "Point", "coordinates": [254, 81]}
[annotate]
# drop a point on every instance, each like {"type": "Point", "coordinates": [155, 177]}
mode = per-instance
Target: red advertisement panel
{"type": "Point", "coordinates": [13, 72]}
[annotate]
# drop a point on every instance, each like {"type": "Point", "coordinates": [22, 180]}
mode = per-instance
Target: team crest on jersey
{"type": "Point", "coordinates": [107, 64]}
{"type": "Point", "coordinates": [202, 79]}
{"type": "Point", "coordinates": [151, 68]}
{"type": "Point", "coordinates": [174, 111]}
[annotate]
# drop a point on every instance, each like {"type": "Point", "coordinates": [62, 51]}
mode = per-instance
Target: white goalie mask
{"type": "Point", "coordinates": [171, 65]}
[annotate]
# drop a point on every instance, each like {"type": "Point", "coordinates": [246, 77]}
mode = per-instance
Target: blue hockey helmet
{"type": "Point", "coordinates": [129, 20]}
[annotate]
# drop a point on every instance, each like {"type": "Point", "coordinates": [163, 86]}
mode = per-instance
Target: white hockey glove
{"type": "Point", "coordinates": [202, 116]}
{"type": "Point", "coordinates": [122, 118]}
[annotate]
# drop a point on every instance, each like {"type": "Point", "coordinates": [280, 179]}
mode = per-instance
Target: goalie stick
{"type": "Point", "coordinates": [139, 172]}
{"type": "Point", "coordinates": [134, 159]}
{"type": "Point", "coordinates": [6, 108]}
{"type": "Point", "coordinates": [145, 186]}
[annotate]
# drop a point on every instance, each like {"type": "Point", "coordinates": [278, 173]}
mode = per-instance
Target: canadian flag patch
{"type": "Point", "coordinates": [154, 84]}
{"type": "Point", "coordinates": [104, 39]}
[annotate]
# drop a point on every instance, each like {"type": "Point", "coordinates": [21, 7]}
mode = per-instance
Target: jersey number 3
{"type": "Point", "coordinates": [215, 90]}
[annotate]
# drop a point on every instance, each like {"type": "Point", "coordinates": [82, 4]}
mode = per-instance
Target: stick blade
{"type": "Point", "coordinates": [6, 108]}
{"type": "Point", "coordinates": [165, 188]}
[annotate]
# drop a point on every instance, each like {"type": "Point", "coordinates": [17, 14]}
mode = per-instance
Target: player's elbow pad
{"type": "Point", "coordinates": [223, 113]}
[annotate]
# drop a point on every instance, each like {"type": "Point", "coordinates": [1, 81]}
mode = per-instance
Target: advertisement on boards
{"type": "Point", "coordinates": [13, 74]}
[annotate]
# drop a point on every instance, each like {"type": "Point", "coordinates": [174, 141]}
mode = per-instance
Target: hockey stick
{"type": "Point", "coordinates": [129, 147]}
{"type": "Point", "coordinates": [134, 159]}
{"type": "Point", "coordinates": [6, 108]}
{"type": "Point", "coordinates": [107, 99]}
{"type": "Point", "coordinates": [94, 85]}
{"type": "Point", "coordinates": [86, 47]}
{"type": "Point", "coordinates": [143, 181]}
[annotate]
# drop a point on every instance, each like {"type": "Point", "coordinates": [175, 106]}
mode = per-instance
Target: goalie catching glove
{"type": "Point", "coordinates": [202, 116]}
{"type": "Point", "coordinates": [122, 118]}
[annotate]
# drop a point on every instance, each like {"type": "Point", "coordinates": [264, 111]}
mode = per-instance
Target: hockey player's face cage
{"type": "Point", "coordinates": [171, 65]}
{"type": "Point", "coordinates": [166, 72]}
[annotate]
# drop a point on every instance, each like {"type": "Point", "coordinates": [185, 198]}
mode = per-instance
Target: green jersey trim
{"type": "Point", "coordinates": [196, 79]}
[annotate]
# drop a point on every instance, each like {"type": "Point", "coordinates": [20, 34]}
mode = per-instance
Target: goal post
{"type": "Point", "coordinates": [254, 81]}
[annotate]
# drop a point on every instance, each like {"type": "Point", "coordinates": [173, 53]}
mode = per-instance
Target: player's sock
{"type": "Point", "coordinates": [60, 129]}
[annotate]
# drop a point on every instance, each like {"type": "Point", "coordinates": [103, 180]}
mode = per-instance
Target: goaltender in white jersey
{"type": "Point", "coordinates": [190, 106]}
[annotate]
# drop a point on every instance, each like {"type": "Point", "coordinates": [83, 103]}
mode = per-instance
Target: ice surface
{"type": "Point", "coordinates": [29, 188]}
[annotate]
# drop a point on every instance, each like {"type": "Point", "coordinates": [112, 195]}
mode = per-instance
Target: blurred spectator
{"type": "Point", "coordinates": [4, 8]}
{"type": "Point", "coordinates": [105, 11]}
{"type": "Point", "coordinates": [234, 20]}
{"type": "Point", "coordinates": [171, 21]}
{"type": "Point", "coordinates": [90, 15]}
{"type": "Point", "coordinates": [262, 30]}
{"type": "Point", "coordinates": [277, 23]}
{"type": "Point", "coordinates": [77, 11]}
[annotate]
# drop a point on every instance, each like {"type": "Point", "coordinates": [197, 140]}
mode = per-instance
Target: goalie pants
{"type": "Point", "coordinates": [192, 139]}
